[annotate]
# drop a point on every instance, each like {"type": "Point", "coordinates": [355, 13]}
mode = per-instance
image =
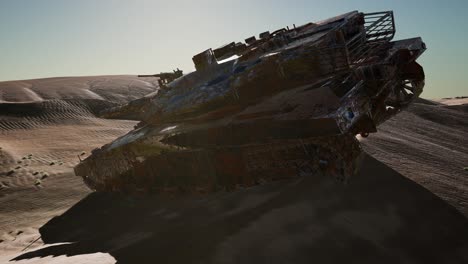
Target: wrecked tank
{"type": "Point", "coordinates": [286, 104]}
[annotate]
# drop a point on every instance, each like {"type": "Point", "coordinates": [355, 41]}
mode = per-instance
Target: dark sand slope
{"type": "Point", "coordinates": [380, 217]}
{"type": "Point", "coordinates": [428, 144]}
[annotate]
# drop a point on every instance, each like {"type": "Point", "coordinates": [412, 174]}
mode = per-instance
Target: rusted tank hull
{"type": "Point", "coordinates": [290, 104]}
{"type": "Point", "coordinates": [226, 168]}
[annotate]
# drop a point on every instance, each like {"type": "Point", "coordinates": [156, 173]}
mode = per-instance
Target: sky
{"type": "Point", "coordinates": [51, 38]}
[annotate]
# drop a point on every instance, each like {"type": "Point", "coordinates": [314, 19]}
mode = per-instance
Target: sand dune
{"type": "Point", "coordinates": [45, 125]}
{"type": "Point", "coordinates": [114, 88]}
{"type": "Point", "coordinates": [384, 215]}
{"type": "Point", "coordinates": [428, 144]}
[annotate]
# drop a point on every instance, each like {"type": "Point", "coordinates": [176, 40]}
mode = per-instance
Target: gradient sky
{"type": "Point", "coordinates": [48, 38]}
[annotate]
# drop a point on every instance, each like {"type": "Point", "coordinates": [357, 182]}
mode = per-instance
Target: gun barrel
{"type": "Point", "coordinates": [148, 75]}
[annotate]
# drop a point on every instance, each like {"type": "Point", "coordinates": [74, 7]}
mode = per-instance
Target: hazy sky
{"type": "Point", "coordinates": [47, 38]}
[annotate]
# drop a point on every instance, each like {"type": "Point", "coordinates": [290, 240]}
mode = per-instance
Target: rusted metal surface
{"type": "Point", "coordinates": [285, 104]}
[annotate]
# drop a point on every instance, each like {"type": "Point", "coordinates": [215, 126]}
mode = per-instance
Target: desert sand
{"type": "Point", "coordinates": [459, 100]}
{"type": "Point", "coordinates": [428, 144]}
{"type": "Point", "coordinates": [409, 202]}
{"type": "Point", "coordinates": [46, 126]}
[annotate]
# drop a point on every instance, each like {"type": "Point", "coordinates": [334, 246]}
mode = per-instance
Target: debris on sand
{"type": "Point", "coordinates": [37, 182]}
{"type": "Point", "coordinates": [35, 173]}
{"type": "Point", "coordinates": [465, 168]}
{"type": "Point", "coordinates": [44, 176]}
{"type": "Point", "coordinates": [10, 172]}
{"type": "Point", "coordinates": [18, 167]}
{"type": "Point", "coordinates": [52, 163]}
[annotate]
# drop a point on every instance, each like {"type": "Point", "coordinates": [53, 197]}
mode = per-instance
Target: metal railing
{"type": "Point", "coordinates": [379, 26]}
{"type": "Point", "coordinates": [346, 55]}
{"type": "Point", "coordinates": [379, 30]}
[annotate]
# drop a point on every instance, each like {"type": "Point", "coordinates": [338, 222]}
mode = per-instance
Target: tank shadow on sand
{"type": "Point", "coordinates": [379, 217]}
